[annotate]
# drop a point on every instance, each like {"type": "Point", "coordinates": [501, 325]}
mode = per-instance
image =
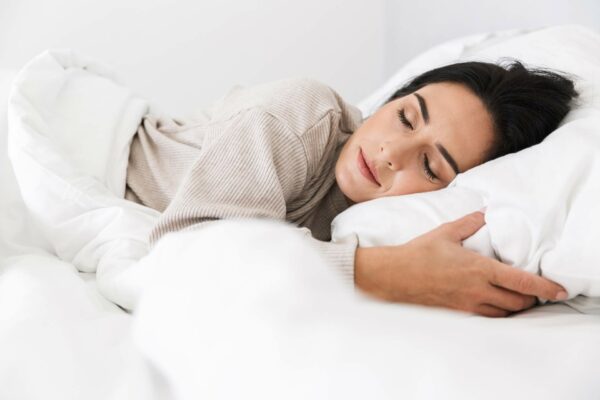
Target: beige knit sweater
{"type": "Point", "coordinates": [266, 151]}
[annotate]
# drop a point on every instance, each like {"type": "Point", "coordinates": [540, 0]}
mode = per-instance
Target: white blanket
{"type": "Point", "coordinates": [264, 318]}
{"type": "Point", "coordinates": [70, 127]}
{"type": "Point", "coordinates": [270, 321]}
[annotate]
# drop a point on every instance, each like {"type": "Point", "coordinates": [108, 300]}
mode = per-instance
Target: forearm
{"type": "Point", "coordinates": [372, 271]}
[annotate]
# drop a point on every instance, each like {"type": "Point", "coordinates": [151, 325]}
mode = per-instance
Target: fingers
{"type": "Point", "coordinates": [502, 302]}
{"type": "Point", "coordinates": [508, 300]}
{"type": "Point", "coordinates": [488, 310]}
{"type": "Point", "coordinates": [527, 283]}
{"type": "Point", "coordinates": [464, 227]}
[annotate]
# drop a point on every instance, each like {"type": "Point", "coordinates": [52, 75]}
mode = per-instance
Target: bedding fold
{"type": "Point", "coordinates": [70, 126]}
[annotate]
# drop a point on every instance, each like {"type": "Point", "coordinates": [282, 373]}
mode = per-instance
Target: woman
{"type": "Point", "coordinates": [294, 150]}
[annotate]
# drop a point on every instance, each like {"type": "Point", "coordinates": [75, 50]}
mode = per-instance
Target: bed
{"type": "Point", "coordinates": [272, 321]}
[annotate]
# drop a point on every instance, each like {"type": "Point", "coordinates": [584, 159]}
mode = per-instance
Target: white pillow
{"type": "Point", "coordinates": [541, 202]}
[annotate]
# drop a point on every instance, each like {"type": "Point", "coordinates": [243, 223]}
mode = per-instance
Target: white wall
{"type": "Point", "coordinates": [414, 26]}
{"type": "Point", "coordinates": [185, 54]}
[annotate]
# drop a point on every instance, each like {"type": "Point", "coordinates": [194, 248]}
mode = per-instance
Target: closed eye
{"type": "Point", "coordinates": [404, 120]}
{"type": "Point", "coordinates": [430, 174]}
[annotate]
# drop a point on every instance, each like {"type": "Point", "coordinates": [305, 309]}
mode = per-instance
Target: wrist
{"type": "Point", "coordinates": [372, 271]}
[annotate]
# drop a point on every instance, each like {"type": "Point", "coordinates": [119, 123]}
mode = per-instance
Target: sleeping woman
{"type": "Point", "coordinates": [294, 150]}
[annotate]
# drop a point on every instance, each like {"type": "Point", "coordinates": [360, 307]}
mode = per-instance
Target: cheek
{"type": "Point", "coordinates": [401, 184]}
{"type": "Point", "coordinates": [408, 182]}
{"type": "Point", "coordinates": [345, 158]}
{"type": "Point", "coordinates": [370, 130]}
{"type": "Point", "coordinates": [345, 169]}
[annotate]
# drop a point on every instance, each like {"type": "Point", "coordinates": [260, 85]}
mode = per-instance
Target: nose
{"type": "Point", "coordinates": [394, 155]}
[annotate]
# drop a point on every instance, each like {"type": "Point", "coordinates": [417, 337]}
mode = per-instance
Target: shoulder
{"type": "Point", "coordinates": [298, 103]}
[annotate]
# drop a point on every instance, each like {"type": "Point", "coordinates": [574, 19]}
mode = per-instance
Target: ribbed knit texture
{"type": "Point", "coordinates": [265, 151]}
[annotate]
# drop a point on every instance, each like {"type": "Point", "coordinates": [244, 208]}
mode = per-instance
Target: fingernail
{"type": "Point", "coordinates": [483, 210]}
{"type": "Point", "coordinates": [562, 296]}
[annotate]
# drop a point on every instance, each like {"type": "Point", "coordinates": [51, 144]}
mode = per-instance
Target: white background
{"type": "Point", "coordinates": [185, 54]}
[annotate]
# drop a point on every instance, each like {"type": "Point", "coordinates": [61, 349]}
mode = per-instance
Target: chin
{"type": "Point", "coordinates": [352, 196]}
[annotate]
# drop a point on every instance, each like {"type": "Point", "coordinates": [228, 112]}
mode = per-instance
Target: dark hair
{"type": "Point", "coordinates": [526, 105]}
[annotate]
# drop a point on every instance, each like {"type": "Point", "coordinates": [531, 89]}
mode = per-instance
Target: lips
{"type": "Point", "coordinates": [366, 169]}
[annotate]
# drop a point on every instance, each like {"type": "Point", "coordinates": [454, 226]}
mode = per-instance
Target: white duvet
{"type": "Point", "coordinates": [70, 125]}
{"type": "Point", "coordinates": [261, 316]}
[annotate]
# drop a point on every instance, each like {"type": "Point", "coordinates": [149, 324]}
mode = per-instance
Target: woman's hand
{"type": "Point", "coordinates": [434, 269]}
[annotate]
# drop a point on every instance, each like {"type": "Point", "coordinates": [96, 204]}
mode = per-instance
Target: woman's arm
{"type": "Point", "coordinates": [434, 269]}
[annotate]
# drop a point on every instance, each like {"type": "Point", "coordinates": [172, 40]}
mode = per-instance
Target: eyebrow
{"type": "Point", "coordinates": [423, 106]}
{"type": "Point", "coordinates": [441, 149]}
{"type": "Point", "coordinates": [448, 157]}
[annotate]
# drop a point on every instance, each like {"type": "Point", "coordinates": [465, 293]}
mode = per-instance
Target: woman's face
{"type": "Point", "coordinates": [416, 143]}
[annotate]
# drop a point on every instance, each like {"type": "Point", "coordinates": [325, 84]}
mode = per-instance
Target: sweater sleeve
{"type": "Point", "coordinates": [250, 166]}
{"type": "Point", "coordinates": [339, 255]}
